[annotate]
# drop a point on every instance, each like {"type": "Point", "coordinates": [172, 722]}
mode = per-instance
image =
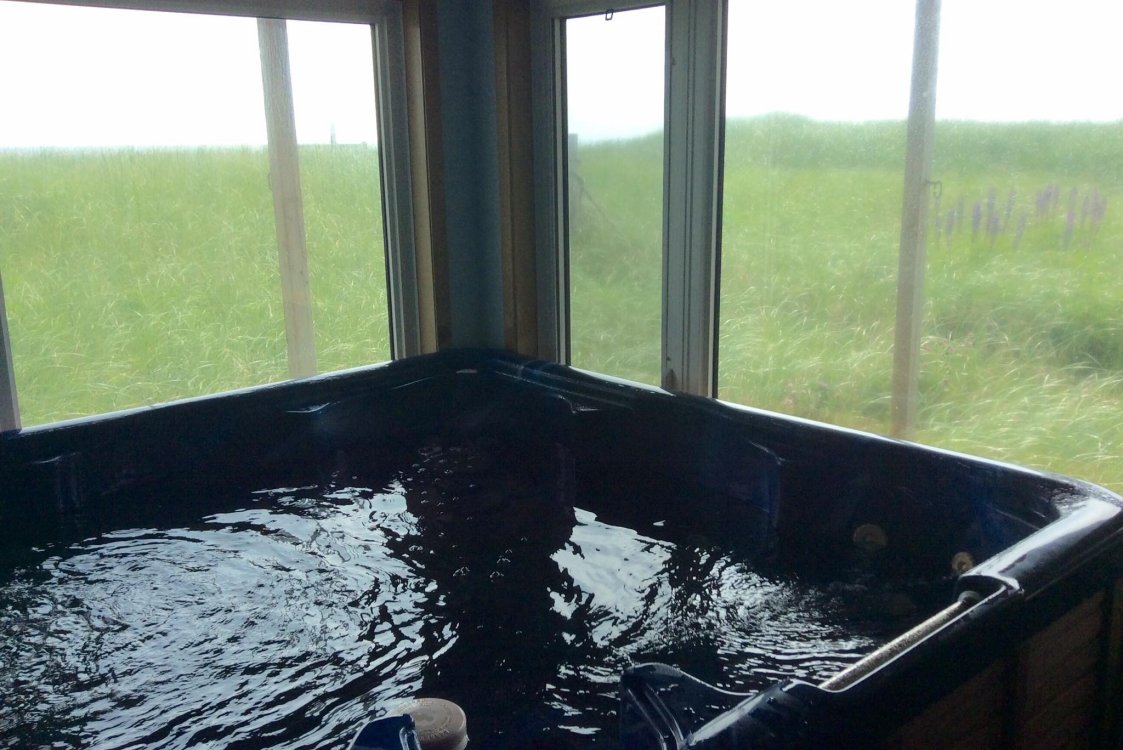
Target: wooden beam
{"type": "Point", "coordinates": [423, 102]}
{"type": "Point", "coordinates": [288, 202]}
{"type": "Point", "coordinates": [514, 121]}
{"type": "Point", "coordinates": [914, 218]}
{"type": "Point", "coordinates": [9, 405]}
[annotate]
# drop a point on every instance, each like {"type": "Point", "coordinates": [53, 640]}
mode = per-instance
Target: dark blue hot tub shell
{"type": "Point", "coordinates": [1031, 657]}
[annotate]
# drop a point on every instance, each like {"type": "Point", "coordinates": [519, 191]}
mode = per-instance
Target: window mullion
{"type": "Point", "coordinates": [402, 280]}
{"type": "Point", "coordinates": [692, 190]}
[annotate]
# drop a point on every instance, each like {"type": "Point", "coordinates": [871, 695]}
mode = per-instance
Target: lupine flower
{"type": "Point", "coordinates": [976, 218]}
{"type": "Point", "coordinates": [1070, 226]}
{"type": "Point", "coordinates": [1044, 199]}
{"type": "Point", "coordinates": [993, 226]}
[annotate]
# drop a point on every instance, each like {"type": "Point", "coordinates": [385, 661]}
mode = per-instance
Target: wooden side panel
{"type": "Point", "coordinates": [1050, 695]}
{"type": "Point", "coordinates": [1111, 689]}
{"type": "Point", "coordinates": [1058, 673]}
{"type": "Point", "coordinates": [969, 717]}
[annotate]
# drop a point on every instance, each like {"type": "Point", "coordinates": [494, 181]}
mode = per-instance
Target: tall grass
{"type": "Point", "coordinates": [134, 277]}
{"type": "Point", "coordinates": [1022, 355]}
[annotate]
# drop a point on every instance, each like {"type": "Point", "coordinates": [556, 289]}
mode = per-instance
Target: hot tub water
{"type": "Point", "coordinates": [295, 614]}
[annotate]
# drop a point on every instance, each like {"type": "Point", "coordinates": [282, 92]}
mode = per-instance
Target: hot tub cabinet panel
{"type": "Point", "coordinates": [1017, 638]}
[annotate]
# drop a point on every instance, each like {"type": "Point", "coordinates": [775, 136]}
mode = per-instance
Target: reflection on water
{"type": "Point", "coordinates": [468, 575]}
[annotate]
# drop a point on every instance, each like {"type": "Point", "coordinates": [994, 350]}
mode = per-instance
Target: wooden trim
{"type": "Point", "coordinates": [288, 200]}
{"type": "Point", "coordinates": [1111, 686]}
{"type": "Point", "coordinates": [9, 404]}
{"type": "Point", "coordinates": [423, 103]}
{"type": "Point", "coordinates": [514, 121]}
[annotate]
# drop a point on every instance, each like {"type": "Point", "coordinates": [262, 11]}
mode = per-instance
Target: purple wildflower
{"type": "Point", "coordinates": [1044, 198]}
{"type": "Point", "coordinates": [976, 219]}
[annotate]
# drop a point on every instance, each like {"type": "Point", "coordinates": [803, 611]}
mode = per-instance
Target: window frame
{"type": "Point", "coordinates": [694, 97]}
{"type": "Point", "coordinates": [384, 18]}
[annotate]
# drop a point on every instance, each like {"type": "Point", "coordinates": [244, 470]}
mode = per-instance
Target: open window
{"type": "Point", "coordinates": [930, 267]}
{"type": "Point", "coordinates": [627, 136]}
{"type": "Point", "coordinates": [194, 203]}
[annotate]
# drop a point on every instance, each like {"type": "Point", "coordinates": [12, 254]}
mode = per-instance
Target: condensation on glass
{"type": "Point", "coordinates": [614, 68]}
{"type": "Point", "coordinates": [138, 244]}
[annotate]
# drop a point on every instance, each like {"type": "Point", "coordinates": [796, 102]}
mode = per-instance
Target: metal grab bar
{"type": "Point", "coordinates": [881, 656]}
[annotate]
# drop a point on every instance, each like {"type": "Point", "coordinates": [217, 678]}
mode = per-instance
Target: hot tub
{"type": "Point", "coordinates": [577, 561]}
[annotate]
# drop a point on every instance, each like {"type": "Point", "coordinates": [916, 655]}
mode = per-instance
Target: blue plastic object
{"type": "Point", "coordinates": [388, 733]}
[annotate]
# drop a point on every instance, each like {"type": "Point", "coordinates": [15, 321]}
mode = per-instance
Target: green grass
{"type": "Point", "coordinates": [1023, 342]}
{"type": "Point", "coordinates": [136, 277]}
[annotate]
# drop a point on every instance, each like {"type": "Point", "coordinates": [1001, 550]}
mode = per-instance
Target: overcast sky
{"type": "Point", "coordinates": [88, 77]}
{"type": "Point", "coordinates": [1000, 60]}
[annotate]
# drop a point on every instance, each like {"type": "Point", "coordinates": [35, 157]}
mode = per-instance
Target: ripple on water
{"type": "Point", "coordinates": [292, 620]}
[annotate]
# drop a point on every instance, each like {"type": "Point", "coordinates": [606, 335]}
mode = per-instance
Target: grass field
{"type": "Point", "coordinates": [138, 277]}
{"type": "Point", "coordinates": [135, 277]}
{"type": "Point", "coordinates": [1023, 334]}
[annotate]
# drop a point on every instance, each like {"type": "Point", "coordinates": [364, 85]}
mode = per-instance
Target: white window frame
{"type": "Point", "coordinates": [693, 141]}
{"type": "Point", "coordinates": [692, 192]}
{"type": "Point", "coordinates": [385, 20]}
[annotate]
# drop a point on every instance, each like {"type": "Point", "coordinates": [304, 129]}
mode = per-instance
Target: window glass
{"type": "Point", "coordinates": [614, 88]}
{"type": "Point", "coordinates": [137, 236]}
{"type": "Point", "coordinates": [816, 101]}
{"type": "Point", "coordinates": [1022, 357]}
{"type": "Point", "coordinates": [333, 93]}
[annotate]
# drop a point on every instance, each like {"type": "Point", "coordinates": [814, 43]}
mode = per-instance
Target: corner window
{"type": "Point", "coordinates": [190, 204]}
{"type": "Point", "coordinates": [951, 282]}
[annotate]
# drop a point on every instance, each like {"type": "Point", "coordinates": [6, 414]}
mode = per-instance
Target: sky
{"type": "Point", "coordinates": [999, 60]}
{"type": "Point", "coordinates": [80, 77]}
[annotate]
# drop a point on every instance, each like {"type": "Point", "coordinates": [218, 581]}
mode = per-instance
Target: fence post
{"type": "Point", "coordinates": [288, 204]}
{"type": "Point", "coordinates": [914, 214]}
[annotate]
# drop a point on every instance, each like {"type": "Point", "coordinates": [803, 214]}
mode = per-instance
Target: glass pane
{"type": "Point", "coordinates": [137, 236]}
{"type": "Point", "coordinates": [333, 95]}
{"type": "Point", "coordinates": [615, 117]}
{"type": "Point", "coordinates": [814, 156]}
{"type": "Point", "coordinates": [1023, 353]}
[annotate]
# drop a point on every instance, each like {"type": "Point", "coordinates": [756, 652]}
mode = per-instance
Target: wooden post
{"type": "Point", "coordinates": [426, 162]}
{"type": "Point", "coordinates": [914, 214]}
{"type": "Point", "coordinates": [9, 406]}
{"type": "Point", "coordinates": [288, 205]}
